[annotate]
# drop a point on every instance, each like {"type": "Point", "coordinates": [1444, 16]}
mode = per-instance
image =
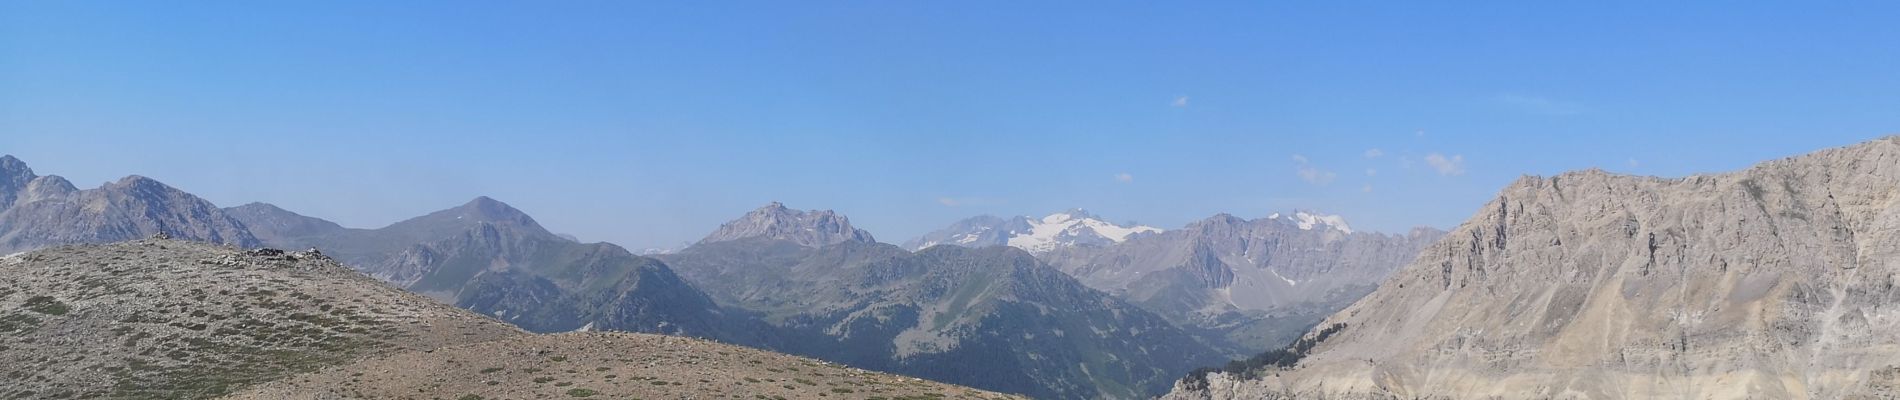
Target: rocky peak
{"type": "Point", "coordinates": [14, 175]}
{"type": "Point", "coordinates": [46, 187]}
{"type": "Point", "coordinates": [817, 228]}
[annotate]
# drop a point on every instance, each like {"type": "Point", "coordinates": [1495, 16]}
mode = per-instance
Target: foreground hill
{"type": "Point", "coordinates": [1779, 281]}
{"type": "Point", "coordinates": [177, 319]}
{"type": "Point", "coordinates": [993, 318]}
{"type": "Point", "coordinates": [603, 365]}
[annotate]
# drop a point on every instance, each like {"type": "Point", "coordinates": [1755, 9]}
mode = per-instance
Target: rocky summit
{"type": "Point", "coordinates": [806, 228]}
{"type": "Point", "coordinates": [40, 211]}
{"type": "Point", "coordinates": [1778, 281]}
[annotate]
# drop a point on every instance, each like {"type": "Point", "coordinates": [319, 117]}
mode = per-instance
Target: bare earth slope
{"type": "Point", "coordinates": [603, 365]}
{"type": "Point", "coordinates": [1779, 281]}
{"type": "Point", "coordinates": [176, 319]}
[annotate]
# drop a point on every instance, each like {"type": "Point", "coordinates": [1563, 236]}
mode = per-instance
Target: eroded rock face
{"type": "Point", "coordinates": [1779, 281]}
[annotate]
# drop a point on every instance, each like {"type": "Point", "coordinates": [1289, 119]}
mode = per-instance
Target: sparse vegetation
{"type": "Point", "coordinates": [1251, 367]}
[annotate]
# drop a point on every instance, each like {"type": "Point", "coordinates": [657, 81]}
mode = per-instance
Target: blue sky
{"type": "Point", "coordinates": [649, 123]}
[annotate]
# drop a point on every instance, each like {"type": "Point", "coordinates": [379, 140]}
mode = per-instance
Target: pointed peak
{"type": "Point", "coordinates": [12, 163]}
{"type": "Point", "coordinates": [489, 209]}
{"type": "Point", "coordinates": [140, 182]}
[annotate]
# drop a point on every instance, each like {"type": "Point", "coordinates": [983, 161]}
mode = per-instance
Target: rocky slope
{"type": "Point", "coordinates": [494, 259]}
{"type": "Point", "coordinates": [1779, 281]}
{"type": "Point", "coordinates": [40, 211]}
{"type": "Point", "coordinates": [1037, 235]}
{"type": "Point", "coordinates": [176, 319]}
{"type": "Point", "coordinates": [1250, 284]}
{"type": "Point", "coordinates": [806, 228]}
{"type": "Point", "coordinates": [604, 365]}
{"type": "Point", "coordinates": [993, 318]}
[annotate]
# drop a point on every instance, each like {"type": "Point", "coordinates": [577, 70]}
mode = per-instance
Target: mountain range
{"type": "Point", "coordinates": [1037, 306]}
{"type": "Point", "coordinates": [172, 319]}
{"type": "Point", "coordinates": [39, 211]}
{"type": "Point", "coordinates": [1778, 281]}
{"type": "Point", "coordinates": [1241, 285]}
{"type": "Point", "coordinates": [996, 318]}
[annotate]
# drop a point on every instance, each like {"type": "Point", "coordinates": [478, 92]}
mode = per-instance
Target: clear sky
{"type": "Point", "coordinates": [648, 123]}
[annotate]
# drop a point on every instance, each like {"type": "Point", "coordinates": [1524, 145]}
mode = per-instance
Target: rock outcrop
{"type": "Point", "coordinates": [1779, 281]}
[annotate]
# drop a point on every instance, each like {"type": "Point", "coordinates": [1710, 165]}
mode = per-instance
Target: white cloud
{"type": "Point", "coordinates": [1375, 153]}
{"type": "Point", "coordinates": [1372, 172]}
{"type": "Point", "coordinates": [1367, 188]}
{"type": "Point", "coordinates": [1452, 166]}
{"type": "Point", "coordinates": [1310, 174]}
{"type": "Point", "coordinates": [1541, 105]}
{"type": "Point", "coordinates": [1180, 101]}
{"type": "Point", "coordinates": [949, 202]}
{"type": "Point", "coordinates": [1633, 163]}
{"type": "Point", "coordinates": [1124, 177]}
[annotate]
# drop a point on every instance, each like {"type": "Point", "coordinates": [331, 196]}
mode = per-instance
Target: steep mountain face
{"type": "Point", "coordinates": [806, 228]}
{"type": "Point", "coordinates": [993, 318]}
{"type": "Point", "coordinates": [1037, 235]}
{"type": "Point", "coordinates": [1779, 281]}
{"type": "Point", "coordinates": [1251, 284]}
{"type": "Point", "coordinates": [494, 259]}
{"type": "Point", "coordinates": [178, 319]}
{"type": "Point", "coordinates": [41, 211]}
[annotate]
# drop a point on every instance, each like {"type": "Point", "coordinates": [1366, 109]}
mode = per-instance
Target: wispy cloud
{"type": "Point", "coordinates": [1447, 166]}
{"type": "Point", "coordinates": [1367, 188]}
{"type": "Point", "coordinates": [1375, 153]}
{"type": "Point", "coordinates": [1541, 105]}
{"type": "Point", "coordinates": [967, 201]}
{"type": "Point", "coordinates": [1310, 174]}
{"type": "Point", "coordinates": [1124, 177]}
{"type": "Point", "coordinates": [1633, 163]}
{"type": "Point", "coordinates": [1180, 101]}
{"type": "Point", "coordinates": [1372, 172]}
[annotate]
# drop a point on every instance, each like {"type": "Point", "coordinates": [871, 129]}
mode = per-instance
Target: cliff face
{"type": "Point", "coordinates": [1779, 281]}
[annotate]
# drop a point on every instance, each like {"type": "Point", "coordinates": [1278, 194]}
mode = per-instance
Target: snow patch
{"type": "Point", "coordinates": [1289, 282]}
{"type": "Point", "coordinates": [1307, 221]}
{"type": "Point", "coordinates": [1049, 232]}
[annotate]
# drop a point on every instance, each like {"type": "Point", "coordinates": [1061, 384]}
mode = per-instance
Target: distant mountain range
{"type": "Point", "coordinates": [995, 318]}
{"type": "Point", "coordinates": [1242, 285]}
{"type": "Point", "coordinates": [1779, 281]}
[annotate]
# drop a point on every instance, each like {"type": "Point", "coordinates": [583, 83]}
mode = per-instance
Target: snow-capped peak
{"type": "Point", "coordinates": [1070, 228]}
{"type": "Point", "coordinates": [1308, 221]}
